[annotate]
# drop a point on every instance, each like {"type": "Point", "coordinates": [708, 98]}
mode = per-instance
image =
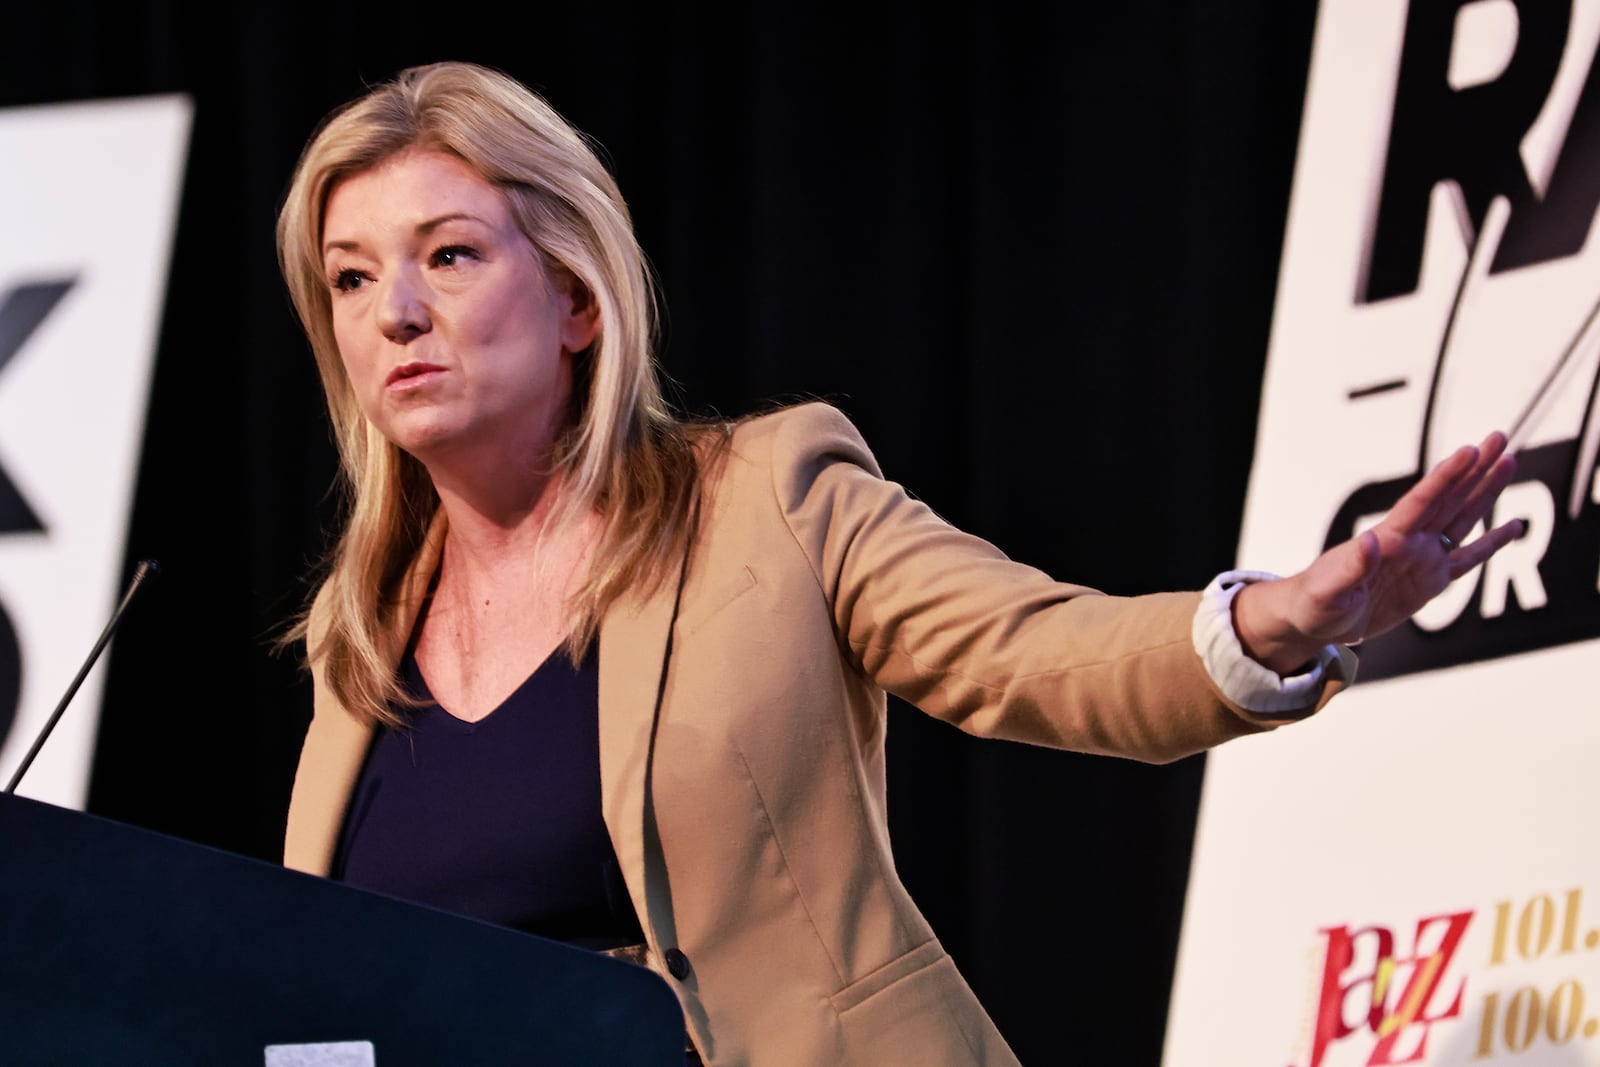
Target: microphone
{"type": "Point", "coordinates": [146, 570]}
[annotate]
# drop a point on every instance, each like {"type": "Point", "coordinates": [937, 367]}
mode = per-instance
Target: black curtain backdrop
{"type": "Point", "coordinates": [1031, 252]}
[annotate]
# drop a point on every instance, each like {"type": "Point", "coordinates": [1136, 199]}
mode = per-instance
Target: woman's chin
{"type": "Point", "coordinates": [427, 439]}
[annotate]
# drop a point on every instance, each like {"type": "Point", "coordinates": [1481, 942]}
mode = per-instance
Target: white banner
{"type": "Point", "coordinates": [88, 204]}
{"type": "Point", "coordinates": [1409, 877]}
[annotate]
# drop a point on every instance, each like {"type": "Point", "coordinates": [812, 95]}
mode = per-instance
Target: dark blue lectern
{"type": "Point", "coordinates": [123, 946]}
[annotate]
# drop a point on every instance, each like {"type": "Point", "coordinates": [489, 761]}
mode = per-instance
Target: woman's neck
{"type": "Point", "coordinates": [510, 529]}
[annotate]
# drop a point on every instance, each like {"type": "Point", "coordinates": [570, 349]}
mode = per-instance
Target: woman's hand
{"type": "Point", "coordinates": [1382, 576]}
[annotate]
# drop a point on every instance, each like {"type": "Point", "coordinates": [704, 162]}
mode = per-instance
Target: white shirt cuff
{"type": "Point", "coordinates": [1250, 685]}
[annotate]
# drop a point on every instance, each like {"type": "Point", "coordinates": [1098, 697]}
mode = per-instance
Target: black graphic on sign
{"type": "Point", "coordinates": [1522, 603]}
{"type": "Point", "coordinates": [1545, 589]}
{"type": "Point", "coordinates": [24, 308]}
{"type": "Point", "coordinates": [1472, 136]}
{"type": "Point", "coordinates": [21, 312]}
{"type": "Point", "coordinates": [10, 675]}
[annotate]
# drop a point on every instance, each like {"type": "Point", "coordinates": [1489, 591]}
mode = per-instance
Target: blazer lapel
{"type": "Point", "coordinates": [635, 658]}
{"type": "Point", "coordinates": [633, 648]}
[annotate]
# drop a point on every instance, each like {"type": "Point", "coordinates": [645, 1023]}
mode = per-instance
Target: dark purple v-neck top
{"type": "Point", "coordinates": [498, 819]}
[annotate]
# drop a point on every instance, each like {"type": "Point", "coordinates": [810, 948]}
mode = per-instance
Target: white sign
{"type": "Point", "coordinates": [326, 1054]}
{"type": "Point", "coordinates": [1410, 877]}
{"type": "Point", "coordinates": [88, 204]}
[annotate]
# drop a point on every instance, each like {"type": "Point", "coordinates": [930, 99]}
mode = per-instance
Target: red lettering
{"type": "Point", "coordinates": [1411, 1009]}
{"type": "Point", "coordinates": [1331, 1025]}
{"type": "Point", "coordinates": [1398, 1015]}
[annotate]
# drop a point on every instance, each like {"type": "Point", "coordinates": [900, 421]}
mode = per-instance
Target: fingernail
{"type": "Point", "coordinates": [1522, 528]}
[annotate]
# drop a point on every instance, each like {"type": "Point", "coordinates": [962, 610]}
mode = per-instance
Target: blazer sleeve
{"type": "Point", "coordinates": [946, 621]}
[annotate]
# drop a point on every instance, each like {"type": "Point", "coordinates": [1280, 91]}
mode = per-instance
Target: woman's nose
{"type": "Point", "coordinates": [403, 309]}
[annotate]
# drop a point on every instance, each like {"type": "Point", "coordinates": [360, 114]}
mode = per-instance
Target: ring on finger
{"type": "Point", "coordinates": [1448, 542]}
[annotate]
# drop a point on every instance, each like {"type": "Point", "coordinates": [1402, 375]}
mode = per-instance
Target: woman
{"type": "Point", "coordinates": [717, 609]}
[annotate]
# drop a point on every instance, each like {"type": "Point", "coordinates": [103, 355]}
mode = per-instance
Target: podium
{"type": "Point", "coordinates": [125, 946]}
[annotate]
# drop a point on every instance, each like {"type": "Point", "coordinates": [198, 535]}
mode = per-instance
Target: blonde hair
{"type": "Point", "coordinates": [625, 457]}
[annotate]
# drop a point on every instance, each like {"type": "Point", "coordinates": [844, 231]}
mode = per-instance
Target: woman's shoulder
{"type": "Point", "coordinates": [786, 463]}
{"type": "Point", "coordinates": [797, 435]}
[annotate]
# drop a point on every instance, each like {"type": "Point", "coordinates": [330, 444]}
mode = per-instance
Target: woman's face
{"type": "Point", "coordinates": [454, 335]}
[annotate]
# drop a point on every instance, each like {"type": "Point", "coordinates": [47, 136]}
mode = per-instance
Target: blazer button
{"type": "Point", "coordinates": [677, 963]}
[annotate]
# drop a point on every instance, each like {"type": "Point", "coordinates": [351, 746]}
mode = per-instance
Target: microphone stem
{"type": "Point", "coordinates": [145, 569]}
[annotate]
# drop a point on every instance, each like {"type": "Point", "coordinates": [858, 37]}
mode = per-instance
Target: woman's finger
{"type": "Point", "coordinates": [1422, 503]}
{"type": "Point", "coordinates": [1480, 501]}
{"type": "Point", "coordinates": [1452, 500]}
{"type": "Point", "coordinates": [1472, 554]}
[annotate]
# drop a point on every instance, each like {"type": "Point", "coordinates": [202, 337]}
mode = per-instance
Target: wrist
{"type": "Point", "coordinates": [1261, 622]}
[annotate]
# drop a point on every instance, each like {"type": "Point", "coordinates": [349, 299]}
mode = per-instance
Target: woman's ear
{"type": "Point", "coordinates": [582, 319]}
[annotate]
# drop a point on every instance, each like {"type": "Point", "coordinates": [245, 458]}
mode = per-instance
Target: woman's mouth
{"type": "Point", "coordinates": [411, 375]}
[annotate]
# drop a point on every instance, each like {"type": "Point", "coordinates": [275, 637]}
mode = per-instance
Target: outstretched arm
{"type": "Point", "coordinates": [1382, 576]}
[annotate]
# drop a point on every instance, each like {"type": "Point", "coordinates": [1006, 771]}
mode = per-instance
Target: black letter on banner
{"type": "Point", "coordinates": [10, 675]}
{"type": "Point", "coordinates": [1559, 224]}
{"type": "Point", "coordinates": [24, 309]}
{"type": "Point", "coordinates": [1469, 135]}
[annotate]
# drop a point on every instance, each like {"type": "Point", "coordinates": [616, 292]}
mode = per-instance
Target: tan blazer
{"type": "Point", "coordinates": [748, 814]}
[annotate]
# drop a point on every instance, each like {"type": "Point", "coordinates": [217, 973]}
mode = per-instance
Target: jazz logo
{"type": "Point", "coordinates": [1372, 983]}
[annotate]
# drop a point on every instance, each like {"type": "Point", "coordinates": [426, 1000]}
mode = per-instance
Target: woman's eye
{"type": "Point", "coordinates": [347, 281]}
{"type": "Point", "coordinates": [452, 255]}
